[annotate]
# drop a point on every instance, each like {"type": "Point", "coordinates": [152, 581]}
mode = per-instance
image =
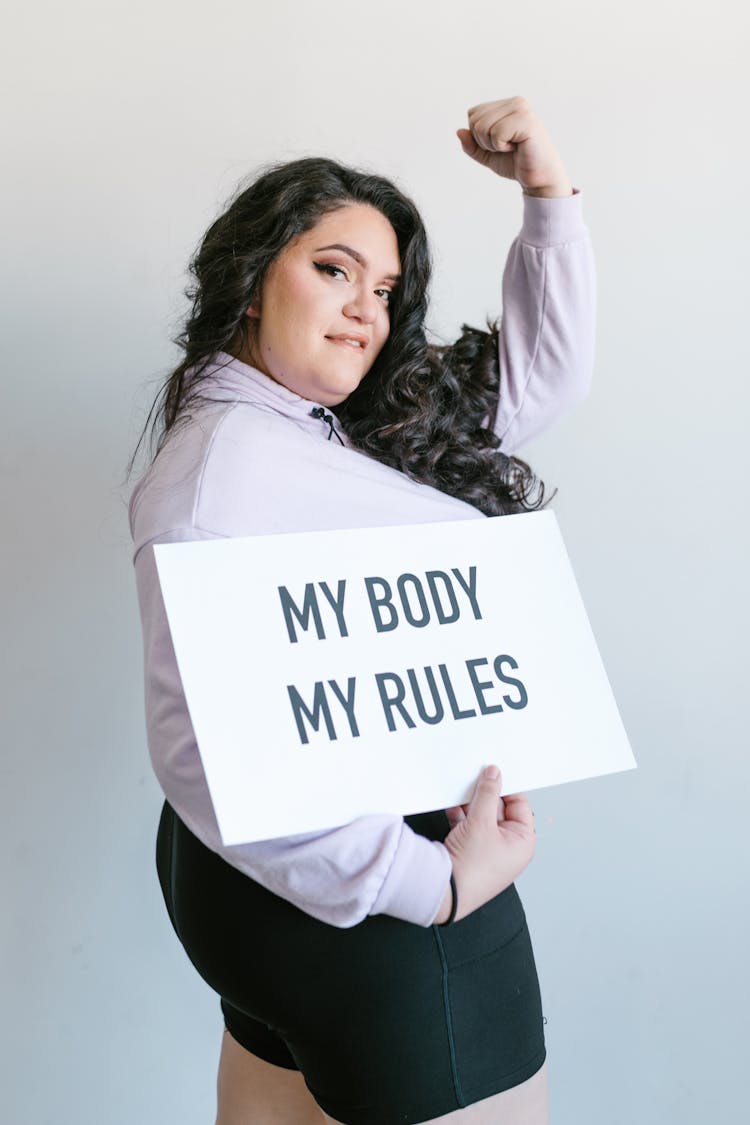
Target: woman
{"type": "Point", "coordinates": [382, 971]}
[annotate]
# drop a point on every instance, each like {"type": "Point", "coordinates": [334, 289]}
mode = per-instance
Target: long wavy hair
{"type": "Point", "coordinates": [425, 409]}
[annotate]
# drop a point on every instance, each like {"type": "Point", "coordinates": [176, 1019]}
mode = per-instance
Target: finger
{"type": "Point", "coordinates": [470, 146]}
{"type": "Point", "coordinates": [501, 106]}
{"type": "Point", "coordinates": [517, 808]}
{"type": "Point", "coordinates": [499, 131]}
{"type": "Point", "coordinates": [483, 804]}
{"type": "Point", "coordinates": [455, 815]}
{"type": "Point", "coordinates": [493, 132]}
{"type": "Point", "coordinates": [499, 135]}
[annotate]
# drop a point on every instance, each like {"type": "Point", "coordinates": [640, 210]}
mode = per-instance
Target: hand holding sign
{"type": "Point", "coordinates": [488, 853]}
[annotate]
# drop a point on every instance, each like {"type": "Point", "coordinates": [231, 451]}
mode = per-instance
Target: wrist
{"type": "Point", "coordinates": [446, 912]}
{"type": "Point", "coordinates": [551, 191]}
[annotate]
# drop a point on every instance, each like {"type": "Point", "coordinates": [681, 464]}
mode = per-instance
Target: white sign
{"type": "Point", "coordinates": [381, 668]}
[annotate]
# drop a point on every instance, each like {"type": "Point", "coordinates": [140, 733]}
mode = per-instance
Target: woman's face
{"type": "Point", "coordinates": [322, 316]}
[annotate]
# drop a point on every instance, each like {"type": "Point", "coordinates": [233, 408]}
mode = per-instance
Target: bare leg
{"type": "Point", "coordinates": [527, 1104]}
{"type": "Point", "coordinates": [254, 1092]}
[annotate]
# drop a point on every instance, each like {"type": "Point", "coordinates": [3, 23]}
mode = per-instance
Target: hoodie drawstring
{"type": "Point", "coordinates": [319, 412]}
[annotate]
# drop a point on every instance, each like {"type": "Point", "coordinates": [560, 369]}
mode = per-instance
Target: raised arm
{"type": "Point", "coordinates": [547, 331]}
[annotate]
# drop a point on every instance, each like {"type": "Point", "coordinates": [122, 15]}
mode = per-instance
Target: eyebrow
{"type": "Point", "coordinates": [357, 258]}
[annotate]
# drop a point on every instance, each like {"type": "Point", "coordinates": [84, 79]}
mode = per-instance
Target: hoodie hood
{"type": "Point", "coordinates": [230, 380]}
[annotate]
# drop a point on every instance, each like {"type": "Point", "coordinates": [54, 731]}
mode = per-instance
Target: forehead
{"type": "Point", "coordinates": [361, 227]}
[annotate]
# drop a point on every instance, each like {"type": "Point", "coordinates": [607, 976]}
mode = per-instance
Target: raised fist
{"type": "Point", "coordinates": [507, 137]}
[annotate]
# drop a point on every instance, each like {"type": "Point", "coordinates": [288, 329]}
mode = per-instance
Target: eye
{"type": "Point", "coordinates": [331, 270]}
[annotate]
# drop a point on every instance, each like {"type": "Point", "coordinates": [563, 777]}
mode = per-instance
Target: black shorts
{"type": "Point", "coordinates": [389, 1022]}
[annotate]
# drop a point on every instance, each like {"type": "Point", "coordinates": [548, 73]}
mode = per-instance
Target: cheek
{"type": "Point", "coordinates": [298, 294]}
{"type": "Point", "coordinates": [384, 330]}
{"type": "Point", "coordinates": [290, 311]}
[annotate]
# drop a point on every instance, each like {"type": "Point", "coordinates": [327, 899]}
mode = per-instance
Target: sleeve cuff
{"type": "Point", "coordinates": [551, 222]}
{"type": "Point", "coordinates": [417, 880]}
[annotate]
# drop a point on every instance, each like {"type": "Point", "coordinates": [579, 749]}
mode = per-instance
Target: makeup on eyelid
{"type": "Point", "coordinates": [324, 267]}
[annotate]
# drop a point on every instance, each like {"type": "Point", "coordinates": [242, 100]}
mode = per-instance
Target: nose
{"type": "Point", "coordinates": [362, 306]}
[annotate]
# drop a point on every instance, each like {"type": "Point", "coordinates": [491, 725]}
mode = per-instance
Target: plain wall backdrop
{"type": "Point", "coordinates": [127, 125]}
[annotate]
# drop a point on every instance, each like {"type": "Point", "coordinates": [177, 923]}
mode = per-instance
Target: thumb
{"type": "Point", "coordinates": [474, 150]}
{"type": "Point", "coordinates": [468, 144]}
{"type": "Point", "coordinates": [483, 805]}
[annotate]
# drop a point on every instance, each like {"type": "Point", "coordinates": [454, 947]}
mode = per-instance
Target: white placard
{"type": "Point", "coordinates": [337, 674]}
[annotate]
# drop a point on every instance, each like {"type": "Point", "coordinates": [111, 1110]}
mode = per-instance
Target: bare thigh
{"type": "Point", "coordinates": [251, 1091]}
{"type": "Point", "coordinates": [254, 1092]}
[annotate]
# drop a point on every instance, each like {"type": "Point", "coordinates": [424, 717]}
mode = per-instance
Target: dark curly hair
{"type": "Point", "coordinates": [425, 409]}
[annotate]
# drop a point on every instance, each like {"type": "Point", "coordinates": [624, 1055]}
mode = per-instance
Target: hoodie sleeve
{"type": "Point", "coordinates": [547, 330]}
{"type": "Point", "coordinates": [373, 865]}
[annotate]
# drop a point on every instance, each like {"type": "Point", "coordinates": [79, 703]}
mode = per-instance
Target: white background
{"type": "Point", "coordinates": [127, 126]}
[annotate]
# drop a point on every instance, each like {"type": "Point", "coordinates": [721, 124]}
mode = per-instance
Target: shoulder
{"type": "Point", "coordinates": [223, 471]}
{"type": "Point", "coordinates": [165, 497]}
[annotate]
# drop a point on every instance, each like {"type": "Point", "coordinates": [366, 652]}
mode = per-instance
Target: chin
{"type": "Point", "coordinates": [335, 398]}
{"type": "Point", "coordinates": [342, 388]}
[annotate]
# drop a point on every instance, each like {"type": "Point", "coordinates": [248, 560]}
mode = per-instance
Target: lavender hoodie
{"type": "Point", "coordinates": [256, 461]}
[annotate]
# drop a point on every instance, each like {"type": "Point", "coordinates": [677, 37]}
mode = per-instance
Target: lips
{"type": "Point", "coordinates": [353, 340]}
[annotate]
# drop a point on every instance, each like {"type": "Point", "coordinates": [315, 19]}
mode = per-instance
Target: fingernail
{"type": "Point", "coordinates": [492, 773]}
